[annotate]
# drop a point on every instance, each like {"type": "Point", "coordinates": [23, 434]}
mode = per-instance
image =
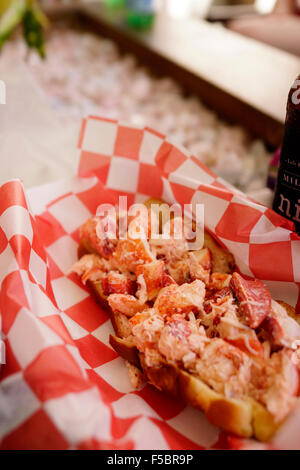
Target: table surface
{"type": "Point", "coordinates": [231, 69]}
{"type": "Point", "coordinates": [42, 167]}
{"type": "Point", "coordinates": [35, 147]}
{"type": "Point", "coordinates": [31, 132]}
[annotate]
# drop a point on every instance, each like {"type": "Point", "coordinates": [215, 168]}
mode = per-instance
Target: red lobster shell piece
{"type": "Point", "coordinates": [253, 297]}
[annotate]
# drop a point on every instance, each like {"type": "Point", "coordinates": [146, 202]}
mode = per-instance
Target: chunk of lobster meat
{"type": "Point", "coordinates": [221, 294]}
{"type": "Point", "coordinates": [180, 299]}
{"type": "Point", "coordinates": [198, 336]}
{"type": "Point", "coordinates": [250, 344]}
{"type": "Point", "coordinates": [173, 342]}
{"type": "Point", "coordinates": [197, 342]}
{"type": "Point", "coordinates": [116, 283]}
{"type": "Point", "coordinates": [153, 358]}
{"type": "Point", "coordinates": [173, 246]}
{"type": "Point", "coordinates": [124, 303]}
{"type": "Point", "coordinates": [130, 253]}
{"type": "Point", "coordinates": [219, 281]}
{"type": "Point", "coordinates": [150, 279]}
{"type": "Point", "coordinates": [168, 280]}
{"type": "Point", "coordinates": [175, 228]}
{"type": "Point", "coordinates": [91, 267]}
{"type": "Point", "coordinates": [181, 341]}
{"type": "Point", "coordinates": [94, 275]}
{"type": "Point", "coordinates": [253, 297]}
{"type": "Point", "coordinates": [200, 265]}
{"type": "Point", "coordinates": [214, 297]}
{"type": "Point", "coordinates": [170, 250]}
{"type": "Point", "coordinates": [95, 232]}
{"type": "Point", "coordinates": [140, 317]}
{"type": "Point", "coordinates": [179, 270]}
{"type": "Point", "coordinates": [146, 333]}
{"type": "Point", "coordinates": [276, 384]}
{"type": "Point", "coordinates": [216, 306]}
{"type": "Point", "coordinates": [229, 327]}
{"type": "Point", "coordinates": [221, 319]}
{"type": "Point", "coordinates": [225, 368]}
{"type": "Point", "coordinates": [282, 329]}
{"type": "Point", "coordinates": [85, 263]}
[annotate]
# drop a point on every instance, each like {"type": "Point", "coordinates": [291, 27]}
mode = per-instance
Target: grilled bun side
{"type": "Point", "coordinates": [85, 248]}
{"type": "Point", "coordinates": [222, 261]}
{"type": "Point", "coordinates": [264, 426]}
{"type": "Point", "coordinates": [126, 349]}
{"type": "Point", "coordinates": [244, 417]}
{"type": "Point", "coordinates": [291, 311]}
{"type": "Point", "coordinates": [232, 415]}
{"type": "Point", "coordinates": [96, 291]}
{"type": "Point", "coordinates": [119, 321]}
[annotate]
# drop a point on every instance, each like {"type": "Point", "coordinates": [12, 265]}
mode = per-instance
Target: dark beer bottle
{"type": "Point", "coordinates": [287, 192]}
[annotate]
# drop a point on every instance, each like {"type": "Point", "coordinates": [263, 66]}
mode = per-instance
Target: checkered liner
{"type": "Point", "coordinates": [63, 386]}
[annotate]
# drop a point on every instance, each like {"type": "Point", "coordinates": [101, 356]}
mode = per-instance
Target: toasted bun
{"type": "Point", "coordinates": [222, 260]}
{"type": "Point", "coordinates": [232, 415]}
{"type": "Point", "coordinates": [126, 349]}
{"type": "Point", "coordinates": [290, 310]}
{"type": "Point", "coordinates": [246, 418]}
{"type": "Point", "coordinates": [85, 248]}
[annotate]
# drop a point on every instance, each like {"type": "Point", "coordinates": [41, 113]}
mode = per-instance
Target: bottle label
{"type": "Point", "coordinates": [287, 193]}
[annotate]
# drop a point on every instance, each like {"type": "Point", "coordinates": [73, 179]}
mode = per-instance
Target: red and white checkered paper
{"type": "Point", "coordinates": [63, 386]}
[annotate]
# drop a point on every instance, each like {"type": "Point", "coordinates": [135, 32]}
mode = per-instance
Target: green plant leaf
{"type": "Point", "coordinates": [29, 14]}
{"type": "Point", "coordinates": [11, 18]}
{"type": "Point", "coordinates": [33, 31]}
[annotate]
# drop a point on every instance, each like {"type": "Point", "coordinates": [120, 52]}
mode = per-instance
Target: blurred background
{"type": "Point", "coordinates": [213, 75]}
